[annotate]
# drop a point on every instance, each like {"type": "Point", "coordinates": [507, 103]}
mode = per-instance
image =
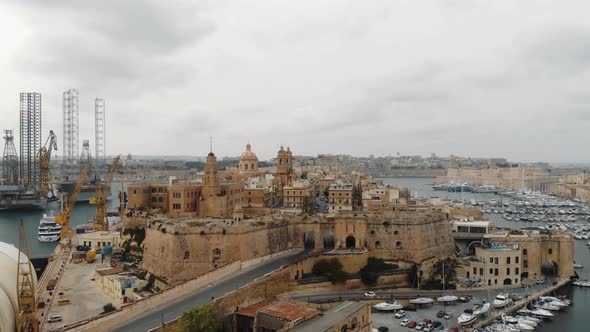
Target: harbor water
{"type": "Point", "coordinates": [9, 223]}
{"type": "Point", "coordinates": [575, 318]}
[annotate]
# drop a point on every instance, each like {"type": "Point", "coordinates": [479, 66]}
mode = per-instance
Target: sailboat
{"type": "Point", "coordinates": [446, 298]}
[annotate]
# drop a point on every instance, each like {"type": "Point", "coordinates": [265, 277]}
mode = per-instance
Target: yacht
{"type": "Point", "coordinates": [388, 306]}
{"type": "Point", "coordinates": [468, 317]}
{"type": "Point", "coordinates": [49, 230]}
{"type": "Point", "coordinates": [447, 298]}
{"type": "Point", "coordinates": [421, 301]}
{"type": "Point", "coordinates": [481, 310]}
{"type": "Point", "coordinates": [502, 300]}
{"type": "Point", "coordinates": [546, 306]}
{"type": "Point", "coordinates": [555, 301]}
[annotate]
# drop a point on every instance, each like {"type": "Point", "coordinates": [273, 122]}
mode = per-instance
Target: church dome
{"type": "Point", "coordinates": [248, 154]}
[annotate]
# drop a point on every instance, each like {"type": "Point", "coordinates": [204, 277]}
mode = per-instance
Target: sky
{"type": "Point", "coordinates": [470, 78]}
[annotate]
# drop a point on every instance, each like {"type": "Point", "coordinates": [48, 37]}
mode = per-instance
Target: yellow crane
{"type": "Point", "coordinates": [64, 217]}
{"type": "Point", "coordinates": [44, 164]}
{"type": "Point", "coordinates": [101, 222]}
{"type": "Point", "coordinates": [27, 306]}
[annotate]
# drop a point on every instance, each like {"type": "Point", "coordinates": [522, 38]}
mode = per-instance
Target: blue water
{"type": "Point", "coordinates": [575, 318]}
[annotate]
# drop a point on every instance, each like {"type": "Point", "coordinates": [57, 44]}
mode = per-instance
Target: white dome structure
{"type": "Point", "coordinates": [8, 297]}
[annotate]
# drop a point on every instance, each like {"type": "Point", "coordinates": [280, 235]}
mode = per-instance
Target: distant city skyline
{"type": "Point", "coordinates": [451, 77]}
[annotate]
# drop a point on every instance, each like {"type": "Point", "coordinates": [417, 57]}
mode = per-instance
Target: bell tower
{"type": "Point", "coordinates": [285, 166]}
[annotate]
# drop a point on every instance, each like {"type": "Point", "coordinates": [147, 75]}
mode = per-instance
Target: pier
{"type": "Point", "coordinates": [519, 304]}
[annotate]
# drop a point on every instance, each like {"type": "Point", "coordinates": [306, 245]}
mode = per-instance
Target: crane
{"type": "Point", "coordinates": [64, 217]}
{"type": "Point", "coordinates": [44, 164]}
{"type": "Point", "coordinates": [101, 222]}
{"type": "Point", "coordinates": [27, 306]}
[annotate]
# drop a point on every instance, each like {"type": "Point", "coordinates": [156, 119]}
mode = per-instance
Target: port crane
{"type": "Point", "coordinates": [27, 305]}
{"type": "Point", "coordinates": [64, 217]}
{"type": "Point", "coordinates": [44, 165]}
{"type": "Point", "coordinates": [101, 222]}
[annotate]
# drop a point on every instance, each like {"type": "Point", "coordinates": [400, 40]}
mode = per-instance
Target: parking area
{"type": "Point", "coordinates": [80, 297]}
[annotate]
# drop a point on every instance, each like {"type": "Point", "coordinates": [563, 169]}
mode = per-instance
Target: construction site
{"type": "Point", "coordinates": [35, 178]}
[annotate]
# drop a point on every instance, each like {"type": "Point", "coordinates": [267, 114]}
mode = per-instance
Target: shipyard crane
{"type": "Point", "coordinates": [101, 222]}
{"type": "Point", "coordinates": [64, 217]}
{"type": "Point", "coordinates": [44, 164]}
{"type": "Point", "coordinates": [27, 305]}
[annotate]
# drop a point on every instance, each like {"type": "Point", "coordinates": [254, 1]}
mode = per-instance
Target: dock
{"type": "Point", "coordinates": [519, 304]}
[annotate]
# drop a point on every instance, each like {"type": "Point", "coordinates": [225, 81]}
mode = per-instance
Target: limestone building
{"type": "Point", "coordinates": [297, 193]}
{"type": "Point", "coordinates": [340, 197]}
{"type": "Point", "coordinates": [248, 162]}
{"type": "Point", "coordinates": [285, 166]}
{"type": "Point", "coordinates": [497, 266]}
{"type": "Point", "coordinates": [211, 198]}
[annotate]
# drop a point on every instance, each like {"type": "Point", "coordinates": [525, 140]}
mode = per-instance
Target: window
{"type": "Point", "coordinates": [372, 232]}
{"type": "Point", "coordinates": [495, 281]}
{"type": "Point", "coordinates": [491, 259]}
{"type": "Point", "coordinates": [496, 260]}
{"type": "Point", "coordinates": [378, 244]}
{"type": "Point", "coordinates": [186, 254]}
{"type": "Point", "coordinates": [495, 272]}
{"type": "Point", "coordinates": [395, 232]}
{"type": "Point", "coordinates": [474, 271]}
{"type": "Point", "coordinates": [489, 282]}
{"type": "Point", "coordinates": [134, 191]}
{"type": "Point", "coordinates": [398, 244]}
{"type": "Point", "coordinates": [550, 251]}
{"type": "Point", "coordinates": [516, 259]}
{"type": "Point", "coordinates": [161, 199]}
{"type": "Point", "coordinates": [491, 271]}
{"type": "Point", "coordinates": [524, 251]}
{"type": "Point", "coordinates": [516, 271]}
{"type": "Point", "coordinates": [507, 260]}
{"type": "Point", "coordinates": [525, 263]}
{"type": "Point", "coordinates": [154, 200]}
{"type": "Point", "coordinates": [516, 280]}
{"type": "Point", "coordinates": [507, 271]}
{"type": "Point", "coordinates": [481, 271]}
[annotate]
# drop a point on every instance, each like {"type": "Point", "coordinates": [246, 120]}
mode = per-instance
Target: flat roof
{"type": "Point", "coordinates": [289, 311]}
{"type": "Point", "coordinates": [330, 317]}
{"type": "Point", "coordinates": [251, 310]}
{"type": "Point", "coordinates": [472, 223]}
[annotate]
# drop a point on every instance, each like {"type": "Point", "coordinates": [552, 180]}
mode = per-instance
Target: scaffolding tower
{"type": "Point", "coordinates": [71, 131]}
{"type": "Point", "coordinates": [86, 157]}
{"type": "Point", "coordinates": [99, 131]}
{"type": "Point", "coordinates": [9, 160]}
{"type": "Point", "coordinates": [30, 137]}
{"type": "Point", "coordinates": [27, 306]}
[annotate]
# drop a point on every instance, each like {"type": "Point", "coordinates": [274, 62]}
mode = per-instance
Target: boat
{"type": "Point", "coordinates": [467, 318]}
{"type": "Point", "coordinates": [481, 310]}
{"type": "Point", "coordinates": [541, 313]}
{"type": "Point", "coordinates": [447, 298]}
{"type": "Point", "coordinates": [512, 321]}
{"type": "Point", "coordinates": [422, 301]}
{"type": "Point", "coordinates": [16, 197]}
{"type": "Point", "coordinates": [485, 189]}
{"type": "Point", "coordinates": [388, 306]}
{"type": "Point", "coordinates": [554, 301]}
{"type": "Point", "coordinates": [578, 266]}
{"type": "Point", "coordinates": [502, 300]}
{"type": "Point", "coordinates": [49, 230]}
{"type": "Point", "coordinates": [546, 306]}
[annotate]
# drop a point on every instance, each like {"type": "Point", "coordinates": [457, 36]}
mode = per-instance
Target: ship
{"type": "Point", "coordinates": [49, 229]}
{"type": "Point", "coordinates": [15, 197]}
{"type": "Point", "coordinates": [87, 191]}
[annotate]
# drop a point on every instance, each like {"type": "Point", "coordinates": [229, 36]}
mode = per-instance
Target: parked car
{"type": "Point", "coordinates": [420, 326]}
{"type": "Point", "coordinates": [400, 314]}
{"type": "Point", "coordinates": [412, 324]}
{"type": "Point", "coordinates": [370, 294]}
{"type": "Point", "coordinates": [440, 314]}
{"type": "Point", "coordinates": [515, 297]}
{"type": "Point", "coordinates": [540, 281]}
{"type": "Point", "coordinates": [383, 329]}
{"type": "Point", "coordinates": [409, 308]}
{"type": "Point", "coordinates": [83, 248]}
{"type": "Point", "coordinates": [404, 322]}
{"type": "Point", "coordinates": [436, 324]}
{"type": "Point", "coordinates": [427, 321]}
{"type": "Point", "coordinates": [429, 328]}
{"type": "Point", "coordinates": [448, 315]}
{"type": "Point", "coordinates": [454, 329]}
{"type": "Point", "coordinates": [54, 318]}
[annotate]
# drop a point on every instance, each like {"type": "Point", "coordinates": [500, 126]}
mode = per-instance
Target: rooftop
{"type": "Point", "coordinates": [289, 311]}
{"type": "Point", "coordinates": [330, 317]}
{"type": "Point", "coordinates": [341, 186]}
{"type": "Point", "coordinates": [252, 310]}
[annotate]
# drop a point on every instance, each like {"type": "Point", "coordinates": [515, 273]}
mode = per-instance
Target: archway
{"type": "Point", "coordinates": [328, 240]}
{"type": "Point", "coordinates": [350, 242]}
{"type": "Point", "coordinates": [507, 281]}
{"type": "Point", "coordinates": [309, 240]}
{"type": "Point", "coordinates": [550, 268]}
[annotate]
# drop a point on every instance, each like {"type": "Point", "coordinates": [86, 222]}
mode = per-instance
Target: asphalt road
{"type": "Point", "coordinates": [154, 317]}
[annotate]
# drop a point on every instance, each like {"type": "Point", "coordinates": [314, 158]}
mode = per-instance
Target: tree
{"type": "Point", "coordinates": [205, 318]}
{"type": "Point", "coordinates": [330, 268]}
{"type": "Point", "coordinates": [308, 205]}
{"type": "Point", "coordinates": [108, 308]}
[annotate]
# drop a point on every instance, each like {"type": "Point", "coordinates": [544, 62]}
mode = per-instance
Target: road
{"type": "Point", "coordinates": [154, 317]}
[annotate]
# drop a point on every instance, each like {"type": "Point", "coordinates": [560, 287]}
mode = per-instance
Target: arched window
{"type": "Point", "coordinates": [398, 244]}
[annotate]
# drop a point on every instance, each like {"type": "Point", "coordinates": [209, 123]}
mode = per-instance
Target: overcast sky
{"type": "Point", "coordinates": [472, 78]}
